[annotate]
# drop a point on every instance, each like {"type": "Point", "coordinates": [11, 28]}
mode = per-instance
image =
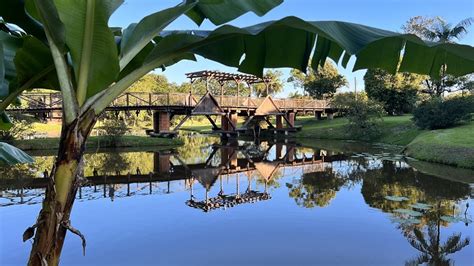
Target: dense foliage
{"type": "Point", "coordinates": [398, 93]}
{"type": "Point", "coordinates": [364, 117]}
{"type": "Point", "coordinates": [319, 84]}
{"type": "Point", "coordinates": [437, 113]}
{"type": "Point", "coordinates": [113, 128]}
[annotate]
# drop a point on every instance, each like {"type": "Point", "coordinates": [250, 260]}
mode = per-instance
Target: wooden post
{"type": "Point", "coordinates": [279, 121]}
{"type": "Point", "coordinates": [238, 91]}
{"type": "Point", "coordinates": [161, 121]}
{"type": "Point", "coordinates": [127, 95]}
{"type": "Point", "coordinates": [222, 92]}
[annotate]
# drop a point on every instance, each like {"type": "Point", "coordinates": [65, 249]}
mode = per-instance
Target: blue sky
{"type": "Point", "coordinates": [386, 14]}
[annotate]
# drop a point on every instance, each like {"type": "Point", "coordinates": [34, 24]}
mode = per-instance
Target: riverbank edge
{"type": "Point", "coordinates": [400, 132]}
{"type": "Point", "coordinates": [99, 142]}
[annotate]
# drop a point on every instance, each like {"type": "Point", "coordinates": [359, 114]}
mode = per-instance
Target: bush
{"type": "Point", "coordinates": [363, 117]}
{"type": "Point", "coordinates": [114, 129]}
{"type": "Point", "coordinates": [437, 113]}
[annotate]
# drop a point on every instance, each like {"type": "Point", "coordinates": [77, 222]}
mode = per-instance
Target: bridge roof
{"type": "Point", "coordinates": [224, 76]}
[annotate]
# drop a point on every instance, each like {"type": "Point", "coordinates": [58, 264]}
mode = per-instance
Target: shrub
{"type": "Point", "coordinates": [363, 117]}
{"type": "Point", "coordinates": [114, 129]}
{"type": "Point", "coordinates": [437, 113]}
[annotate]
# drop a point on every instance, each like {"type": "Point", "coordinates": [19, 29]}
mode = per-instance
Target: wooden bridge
{"type": "Point", "coordinates": [165, 107]}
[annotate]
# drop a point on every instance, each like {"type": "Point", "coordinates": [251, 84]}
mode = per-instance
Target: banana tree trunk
{"type": "Point", "coordinates": [66, 176]}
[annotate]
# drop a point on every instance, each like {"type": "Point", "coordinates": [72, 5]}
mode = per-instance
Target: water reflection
{"type": "Point", "coordinates": [215, 176]}
{"type": "Point", "coordinates": [427, 240]}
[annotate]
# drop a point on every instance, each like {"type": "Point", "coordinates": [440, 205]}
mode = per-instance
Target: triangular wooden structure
{"type": "Point", "coordinates": [207, 177]}
{"type": "Point", "coordinates": [268, 107]}
{"type": "Point", "coordinates": [266, 169]}
{"type": "Point", "coordinates": [207, 105]}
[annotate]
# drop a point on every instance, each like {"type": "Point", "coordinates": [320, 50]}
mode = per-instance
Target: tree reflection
{"type": "Point", "coordinates": [111, 162]}
{"type": "Point", "coordinates": [316, 189]}
{"type": "Point", "coordinates": [428, 242]}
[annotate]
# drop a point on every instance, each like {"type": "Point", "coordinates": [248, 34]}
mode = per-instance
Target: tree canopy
{"type": "Point", "coordinates": [321, 83]}
{"type": "Point", "coordinates": [398, 93]}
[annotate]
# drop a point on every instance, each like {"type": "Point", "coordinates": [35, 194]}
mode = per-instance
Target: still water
{"type": "Point", "coordinates": [246, 203]}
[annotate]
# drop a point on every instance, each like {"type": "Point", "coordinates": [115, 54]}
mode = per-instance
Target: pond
{"type": "Point", "coordinates": [245, 202]}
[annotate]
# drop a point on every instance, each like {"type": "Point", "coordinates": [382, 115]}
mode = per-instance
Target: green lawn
{"type": "Point", "coordinates": [454, 146]}
{"type": "Point", "coordinates": [398, 130]}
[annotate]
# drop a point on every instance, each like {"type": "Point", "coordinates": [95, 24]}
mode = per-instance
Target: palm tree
{"type": "Point", "coordinates": [441, 31]}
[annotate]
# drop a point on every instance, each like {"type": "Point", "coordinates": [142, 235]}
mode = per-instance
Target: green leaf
{"type": "Point", "coordinates": [285, 43]}
{"type": "Point", "coordinates": [137, 36]}
{"type": "Point", "coordinates": [396, 198]}
{"type": "Point", "coordinates": [421, 206]}
{"type": "Point", "coordinates": [91, 43]}
{"type": "Point", "coordinates": [223, 11]}
{"type": "Point", "coordinates": [50, 21]}
{"type": "Point", "coordinates": [2, 67]}
{"type": "Point", "coordinates": [5, 122]}
{"type": "Point", "coordinates": [32, 58]}
{"type": "Point", "coordinates": [10, 46]}
{"type": "Point", "coordinates": [13, 11]}
{"type": "Point", "coordinates": [409, 212]}
{"type": "Point", "coordinates": [12, 155]}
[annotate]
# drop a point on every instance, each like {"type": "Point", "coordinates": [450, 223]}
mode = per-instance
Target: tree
{"type": "Point", "coordinates": [398, 93]}
{"type": "Point", "coordinates": [67, 45]}
{"type": "Point", "coordinates": [153, 83]}
{"type": "Point", "coordinates": [437, 29]}
{"type": "Point", "coordinates": [275, 84]}
{"type": "Point", "coordinates": [321, 83]}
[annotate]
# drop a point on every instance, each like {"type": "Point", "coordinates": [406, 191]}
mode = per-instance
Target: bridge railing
{"type": "Point", "coordinates": [34, 101]}
{"type": "Point", "coordinates": [239, 102]}
{"type": "Point", "coordinates": [154, 99]}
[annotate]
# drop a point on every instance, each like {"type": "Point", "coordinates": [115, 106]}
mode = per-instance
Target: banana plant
{"type": "Point", "coordinates": [67, 45]}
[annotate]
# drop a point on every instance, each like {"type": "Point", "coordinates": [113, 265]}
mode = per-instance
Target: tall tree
{"type": "Point", "coordinates": [273, 86]}
{"type": "Point", "coordinates": [319, 84]}
{"type": "Point", "coordinates": [438, 30]}
{"type": "Point", "coordinates": [67, 45]}
{"type": "Point", "coordinates": [153, 83]}
{"type": "Point", "coordinates": [398, 93]}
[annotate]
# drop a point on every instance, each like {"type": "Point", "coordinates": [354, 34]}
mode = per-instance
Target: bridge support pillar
{"type": "Point", "coordinates": [318, 115]}
{"type": "Point", "coordinates": [290, 154]}
{"type": "Point", "coordinates": [278, 150]}
{"type": "Point", "coordinates": [161, 163]}
{"type": "Point", "coordinates": [224, 123]}
{"type": "Point", "coordinates": [291, 118]}
{"type": "Point", "coordinates": [161, 121]}
{"type": "Point", "coordinates": [279, 121]}
{"type": "Point", "coordinates": [232, 119]}
{"type": "Point", "coordinates": [229, 157]}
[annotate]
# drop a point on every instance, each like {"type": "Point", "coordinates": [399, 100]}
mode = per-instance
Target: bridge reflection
{"type": "Point", "coordinates": [233, 162]}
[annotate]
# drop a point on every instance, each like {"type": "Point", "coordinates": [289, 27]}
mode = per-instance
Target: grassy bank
{"type": "Point", "coordinates": [453, 146]}
{"type": "Point", "coordinates": [99, 142]}
{"type": "Point", "coordinates": [398, 130]}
